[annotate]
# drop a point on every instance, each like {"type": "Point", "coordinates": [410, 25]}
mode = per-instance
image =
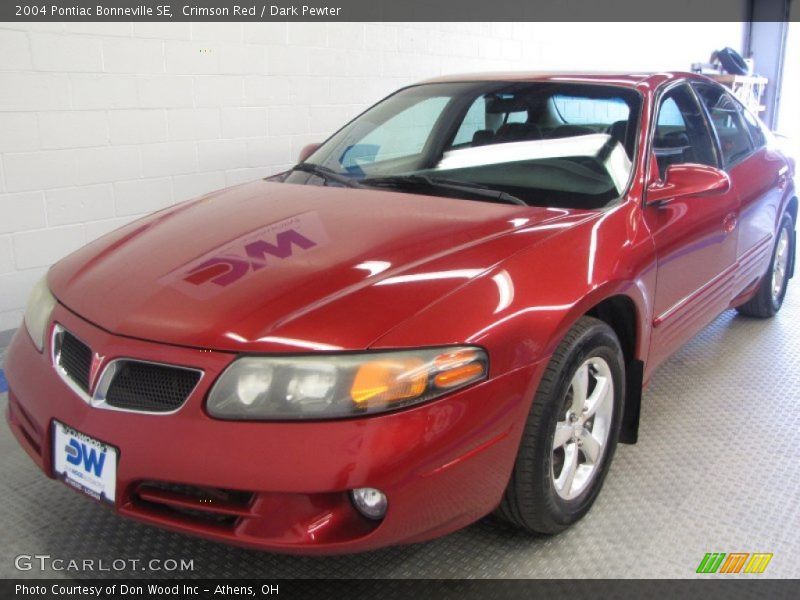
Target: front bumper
{"type": "Point", "coordinates": [280, 486]}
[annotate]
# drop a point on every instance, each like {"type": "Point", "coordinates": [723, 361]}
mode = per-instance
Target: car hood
{"type": "Point", "coordinates": [278, 267]}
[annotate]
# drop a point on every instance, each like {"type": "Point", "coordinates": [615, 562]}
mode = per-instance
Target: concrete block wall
{"type": "Point", "coordinates": [102, 123]}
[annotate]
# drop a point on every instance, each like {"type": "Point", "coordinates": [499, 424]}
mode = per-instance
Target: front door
{"type": "Point", "coordinates": [695, 236]}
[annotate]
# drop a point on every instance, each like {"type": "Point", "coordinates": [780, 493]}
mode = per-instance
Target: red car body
{"type": "Point", "coordinates": [509, 279]}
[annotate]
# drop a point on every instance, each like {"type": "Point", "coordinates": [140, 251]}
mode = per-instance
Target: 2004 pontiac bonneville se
{"type": "Point", "coordinates": [447, 309]}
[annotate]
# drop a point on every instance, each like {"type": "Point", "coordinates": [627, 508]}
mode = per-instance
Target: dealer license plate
{"type": "Point", "coordinates": [85, 463]}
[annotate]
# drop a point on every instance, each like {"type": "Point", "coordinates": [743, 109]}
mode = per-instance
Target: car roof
{"type": "Point", "coordinates": [627, 79]}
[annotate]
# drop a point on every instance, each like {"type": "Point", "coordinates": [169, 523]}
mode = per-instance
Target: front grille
{"type": "Point", "coordinates": [141, 386]}
{"type": "Point", "coordinates": [75, 358]}
{"type": "Point", "coordinates": [125, 383]}
{"type": "Point", "coordinates": [187, 503]}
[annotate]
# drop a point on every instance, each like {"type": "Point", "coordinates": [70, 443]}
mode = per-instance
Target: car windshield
{"type": "Point", "coordinates": [536, 143]}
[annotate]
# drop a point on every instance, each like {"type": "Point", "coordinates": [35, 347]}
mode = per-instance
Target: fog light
{"type": "Point", "coordinates": [369, 502]}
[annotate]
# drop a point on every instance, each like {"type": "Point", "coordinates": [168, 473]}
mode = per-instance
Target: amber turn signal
{"type": "Point", "coordinates": [396, 380]}
{"type": "Point", "coordinates": [459, 375]}
{"type": "Point", "coordinates": [389, 380]}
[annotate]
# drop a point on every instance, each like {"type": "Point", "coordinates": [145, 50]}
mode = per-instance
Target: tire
{"type": "Point", "coordinates": [732, 61]}
{"type": "Point", "coordinates": [769, 298]}
{"type": "Point", "coordinates": [534, 500]}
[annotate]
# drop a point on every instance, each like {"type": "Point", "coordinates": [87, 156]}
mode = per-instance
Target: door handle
{"type": "Point", "coordinates": [730, 222]}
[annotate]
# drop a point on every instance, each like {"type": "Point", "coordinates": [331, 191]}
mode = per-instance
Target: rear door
{"type": "Point", "coordinates": [694, 236]}
{"type": "Point", "coordinates": [758, 175]}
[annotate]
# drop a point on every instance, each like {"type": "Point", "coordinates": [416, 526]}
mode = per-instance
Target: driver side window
{"type": "Point", "coordinates": [681, 134]}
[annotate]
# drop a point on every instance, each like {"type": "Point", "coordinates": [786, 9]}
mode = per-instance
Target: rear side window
{"type": "Point", "coordinates": [733, 137]}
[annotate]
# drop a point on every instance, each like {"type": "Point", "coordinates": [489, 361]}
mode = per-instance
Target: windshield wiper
{"type": "Point", "coordinates": [326, 174]}
{"type": "Point", "coordinates": [474, 189]}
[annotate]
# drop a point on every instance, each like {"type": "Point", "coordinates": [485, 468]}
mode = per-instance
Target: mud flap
{"type": "Point", "coordinates": [629, 429]}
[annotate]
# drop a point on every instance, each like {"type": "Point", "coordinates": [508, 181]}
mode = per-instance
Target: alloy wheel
{"type": "Point", "coordinates": [781, 265]}
{"type": "Point", "coordinates": [581, 437]}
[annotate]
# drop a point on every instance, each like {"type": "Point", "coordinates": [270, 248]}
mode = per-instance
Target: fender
{"type": "Point", "coordinates": [520, 310]}
{"type": "Point", "coordinates": [635, 364]}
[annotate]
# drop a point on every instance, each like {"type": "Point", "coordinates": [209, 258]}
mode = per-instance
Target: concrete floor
{"type": "Point", "coordinates": [717, 469]}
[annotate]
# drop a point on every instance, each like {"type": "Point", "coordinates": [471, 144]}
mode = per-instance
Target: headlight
{"type": "Point", "coordinates": [37, 313]}
{"type": "Point", "coordinates": [341, 385]}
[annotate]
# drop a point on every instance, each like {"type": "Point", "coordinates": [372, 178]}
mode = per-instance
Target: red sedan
{"type": "Point", "coordinates": [448, 308]}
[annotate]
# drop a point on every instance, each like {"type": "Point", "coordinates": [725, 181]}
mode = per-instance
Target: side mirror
{"type": "Point", "coordinates": [307, 151]}
{"type": "Point", "coordinates": [688, 180]}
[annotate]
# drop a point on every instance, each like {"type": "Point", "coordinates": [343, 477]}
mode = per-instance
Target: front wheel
{"type": "Point", "coordinates": [571, 432]}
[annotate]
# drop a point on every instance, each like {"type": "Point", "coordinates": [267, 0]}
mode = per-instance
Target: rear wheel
{"type": "Point", "coordinates": [571, 432]}
{"type": "Point", "coordinates": [772, 290]}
